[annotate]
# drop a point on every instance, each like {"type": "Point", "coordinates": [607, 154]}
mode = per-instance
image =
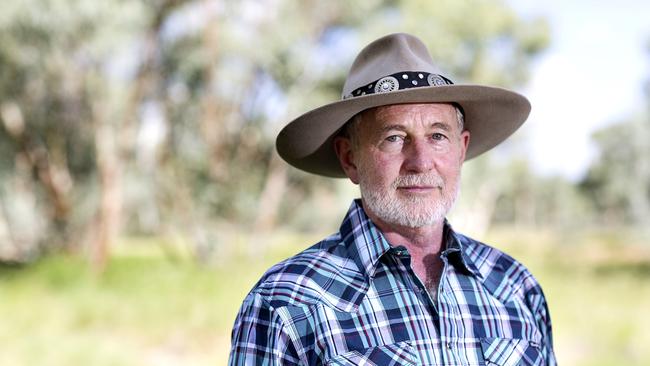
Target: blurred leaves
{"type": "Point", "coordinates": [159, 117]}
{"type": "Point", "coordinates": [618, 183]}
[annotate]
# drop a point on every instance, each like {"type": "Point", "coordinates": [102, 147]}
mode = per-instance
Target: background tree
{"type": "Point", "coordinates": [159, 117]}
{"type": "Point", "coordinates": [53, 92]}
{"type": "Point", "coordinates": [618, 183]}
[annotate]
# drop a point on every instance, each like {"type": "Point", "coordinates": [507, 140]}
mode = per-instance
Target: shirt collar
{"type": "Point", "coordinates": [457, 252]}
{"type": "Point", "coordinates": [366, 244]}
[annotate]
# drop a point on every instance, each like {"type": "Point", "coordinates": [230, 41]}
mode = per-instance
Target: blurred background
{"type": "Point", "coordinates": [141, 196]}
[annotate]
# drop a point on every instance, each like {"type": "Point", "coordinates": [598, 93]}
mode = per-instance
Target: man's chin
{"type": "Point", "coordinates": [417, 214]}
{"type": "Point", "coordinates": [418, 202]}
{"type": "Point", "coordinates": [416, 222]}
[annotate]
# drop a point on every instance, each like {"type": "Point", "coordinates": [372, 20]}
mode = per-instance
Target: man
{"type": "Point", "coordinates": [396, 285]}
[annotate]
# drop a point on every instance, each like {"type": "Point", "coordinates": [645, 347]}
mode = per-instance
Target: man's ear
{"type": "Point", "coordinates": [345, 153]}
{"type": "Point", "coordinates": [464, 142]}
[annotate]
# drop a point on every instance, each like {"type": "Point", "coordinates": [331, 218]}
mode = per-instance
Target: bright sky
{"type": "Point", "coordinates": [591, 76]}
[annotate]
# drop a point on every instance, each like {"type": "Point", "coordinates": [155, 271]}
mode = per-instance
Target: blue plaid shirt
{"type": "Point", "coordinates": [354, 299]}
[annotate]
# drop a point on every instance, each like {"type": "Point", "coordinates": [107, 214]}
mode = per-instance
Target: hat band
{"type": "Point", "coordinates": [400, 81]}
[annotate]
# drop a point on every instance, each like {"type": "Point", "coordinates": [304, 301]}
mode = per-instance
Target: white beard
{"type": "Point", "coordinates": [412, 211]}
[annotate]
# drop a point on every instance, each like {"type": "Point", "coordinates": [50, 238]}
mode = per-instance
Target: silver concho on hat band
{"type": "Point", "coordinates": [386, 84]}
{"type": "Point", "coordinates": [436, 80]}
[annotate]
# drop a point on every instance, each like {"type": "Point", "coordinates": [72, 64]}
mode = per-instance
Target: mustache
{"type": "Point", "coordinates": [430, 180]}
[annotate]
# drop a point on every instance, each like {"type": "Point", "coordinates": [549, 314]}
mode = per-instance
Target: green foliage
{"type": "Point", "coordinates": [52, 55]}
{"type": "Point", "coordinates": [618, 183]}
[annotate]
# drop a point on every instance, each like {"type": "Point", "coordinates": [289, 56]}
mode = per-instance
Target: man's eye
{"type": "Point", "coordinates": [438, 136]}
{"type": "Point", "coordinates": [394, 138]}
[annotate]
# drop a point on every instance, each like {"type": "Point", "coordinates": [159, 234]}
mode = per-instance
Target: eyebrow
{"type": "Point", "coordinates": [440, 125]}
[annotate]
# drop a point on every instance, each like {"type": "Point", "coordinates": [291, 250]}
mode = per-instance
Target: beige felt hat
{"type": "Point", "coordinates": [398, 69]}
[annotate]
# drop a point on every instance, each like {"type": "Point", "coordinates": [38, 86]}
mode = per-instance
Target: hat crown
{"type": "Point", "coordinates": [388, 55]}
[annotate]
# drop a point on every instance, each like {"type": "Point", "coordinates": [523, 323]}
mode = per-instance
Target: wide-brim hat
{"type": "Point", "coordinates": [397, 69]}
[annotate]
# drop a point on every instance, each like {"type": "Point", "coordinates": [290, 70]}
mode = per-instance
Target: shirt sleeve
{"type": "Point", "coordinates": [259, 336]}
{"type": "Point", "coordinates": [540, 308]}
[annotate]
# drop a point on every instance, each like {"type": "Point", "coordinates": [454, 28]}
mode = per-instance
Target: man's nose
{"type": "Point", "coordinates": [418, 157]}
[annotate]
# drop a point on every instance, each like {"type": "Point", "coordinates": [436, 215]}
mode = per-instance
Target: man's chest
{"type": "Point", "coordinates": [398, 320]}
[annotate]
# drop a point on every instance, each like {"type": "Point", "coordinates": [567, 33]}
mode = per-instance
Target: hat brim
{"type": "Point", "coordinates": [491, 115]}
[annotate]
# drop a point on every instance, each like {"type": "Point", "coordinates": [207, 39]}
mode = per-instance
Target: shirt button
{"type": "Point", "coordinates": [448, 345]}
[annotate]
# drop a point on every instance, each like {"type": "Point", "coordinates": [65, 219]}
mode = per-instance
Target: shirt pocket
{"type": "Point", "coordinates": [401, 353]}
{"type": "Point", "coordinates": [511, 352]}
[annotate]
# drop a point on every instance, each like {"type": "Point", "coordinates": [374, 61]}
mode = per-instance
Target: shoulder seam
{"type": "Point", "coordinates": [290, 331]}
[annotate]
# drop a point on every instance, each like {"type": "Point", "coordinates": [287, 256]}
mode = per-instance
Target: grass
{"type": "Point", "coordinates": [148, 308]}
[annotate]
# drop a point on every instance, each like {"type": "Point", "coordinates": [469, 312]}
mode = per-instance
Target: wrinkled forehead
{"type": "Point", "coordinates": [407, 113]}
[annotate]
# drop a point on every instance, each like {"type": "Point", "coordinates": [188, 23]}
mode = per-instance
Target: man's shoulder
{"type": "Point", "coordinates": [499, 269]}
{"type": "Point", "coordinates": [323, 273]}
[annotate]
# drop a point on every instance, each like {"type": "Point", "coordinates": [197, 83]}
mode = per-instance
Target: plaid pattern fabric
{"type": "Point", "coordinates": [353, 299]}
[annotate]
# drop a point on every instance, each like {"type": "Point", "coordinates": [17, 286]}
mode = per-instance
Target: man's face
{"type": "Point", "coordinates": [407, 161]}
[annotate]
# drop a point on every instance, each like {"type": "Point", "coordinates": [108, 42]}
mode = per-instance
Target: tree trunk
{"type": "Point", "coordinates": [110, 174]}
{"type": "Point", "coordinates": [274, 188]}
